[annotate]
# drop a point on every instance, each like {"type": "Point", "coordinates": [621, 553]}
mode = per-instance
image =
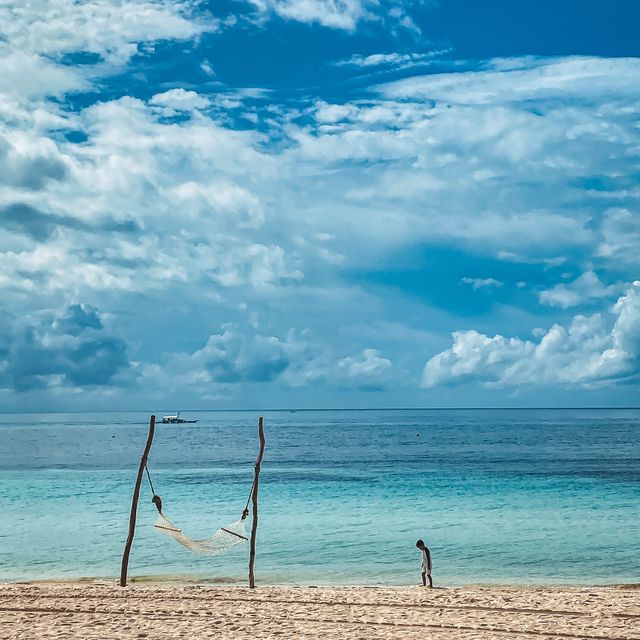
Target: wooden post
{"type": "Point", "coordinates": [134, 504]}
{"type": "Point", "coordinates": [254, 524]}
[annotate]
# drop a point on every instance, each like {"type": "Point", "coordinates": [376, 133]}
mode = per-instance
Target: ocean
{"type": "Point", "coordinates": [499, 496]}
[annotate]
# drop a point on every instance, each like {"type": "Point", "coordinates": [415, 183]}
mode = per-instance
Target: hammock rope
{"type": "Point", "coordinates": [146, 468]}
{"type": "Point", "coordinates": [224, 538]}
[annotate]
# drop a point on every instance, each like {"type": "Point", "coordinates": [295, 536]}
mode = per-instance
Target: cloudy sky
{"type": "Point", "coordinates": [319, 203]}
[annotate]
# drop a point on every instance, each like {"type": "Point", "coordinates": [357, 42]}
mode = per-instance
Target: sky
{"type": "Point", "coordinates": [319, 203]}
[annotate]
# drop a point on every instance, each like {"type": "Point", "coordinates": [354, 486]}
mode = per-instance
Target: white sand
{"type": "Point", "coordinates": [94, 610]}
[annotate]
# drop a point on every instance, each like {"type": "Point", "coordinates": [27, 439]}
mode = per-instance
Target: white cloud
{"type": "Point", "coordinates": [37, 35]}
{"type": "Point", "coordinates": [332, 113]}
{"type": "Point", "coordinates": [479, 283]}
{"type": "Point", "coordinates": [187, 225]}
{"type": "Point", "coordinates": [340, 14]}
{"type": "Point", "coordinates": [369, 364]}
{"type": "Point", "coordinates": [29, 162]}
{"type": "Point", "coordinates": [365, 371]}
{"type": "Point", "coordinates": [27, 75]}
{"type": "Point", "coordinates": [429, 161]}
{"type": "Point", "coordinates": [529, 79]}
{"type": "Point", "coordinates": [620, 239]}
{"type": "Point", "coordinates": [230, 357]}
{"type": "Point", "coordinates": [180, 100]}
{"type": "Point", "coordinates": [111, 30]}
{"type": "Point", "coordinates": [205, 65]}
{"type": "Point", "coordinates": [394, 59]}
{"type": "Point", "coordinates": [596, 349]}
{"type": "Point", "coordinates": [246, 355]}
{"type": "Point", "coordinates": [235, 206]}
{"type": "Point", "coordinates": [278, 216]}
{"type": "Point", "coordinates": [586, 288]}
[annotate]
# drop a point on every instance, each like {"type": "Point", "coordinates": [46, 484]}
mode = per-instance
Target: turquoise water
{"type": "Point", "coordinates": [544, 496]}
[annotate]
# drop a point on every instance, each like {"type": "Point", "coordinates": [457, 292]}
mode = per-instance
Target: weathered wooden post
{"type": "Point", "coordinates": [134, 504]}
{"type": "Point", "coordinates": [254, 524]}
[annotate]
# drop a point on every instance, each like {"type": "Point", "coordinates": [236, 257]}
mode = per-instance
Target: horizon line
{"type": "Point", "coordinates": [311, 409]}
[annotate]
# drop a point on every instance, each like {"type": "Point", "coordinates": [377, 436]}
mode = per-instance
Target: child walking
{"type": "Point", "coordinates": [426, 563]}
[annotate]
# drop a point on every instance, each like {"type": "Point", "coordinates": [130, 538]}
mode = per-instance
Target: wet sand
{"type": "Point", "coordinates": [103, 610]}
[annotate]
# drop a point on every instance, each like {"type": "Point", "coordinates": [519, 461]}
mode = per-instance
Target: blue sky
{"type": "Point", "coordinates": [314, 203]}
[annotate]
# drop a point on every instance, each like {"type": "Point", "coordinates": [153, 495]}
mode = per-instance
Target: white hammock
{"type": "Point", "coordinates": [223, 539]}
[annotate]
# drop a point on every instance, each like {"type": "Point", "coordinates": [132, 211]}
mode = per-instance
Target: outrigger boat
{"type": "Point", "coordinates": [176, 420]}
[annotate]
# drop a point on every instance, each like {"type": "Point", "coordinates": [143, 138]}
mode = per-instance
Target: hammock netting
{"type": "Point", "coordinates": [223, 539]}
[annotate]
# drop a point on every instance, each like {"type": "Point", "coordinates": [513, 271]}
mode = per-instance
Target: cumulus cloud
{"type": "Point", "coordinates": [586, 288]}
{"type": "Point", "coordinates": [620, 240]}
{"type": "Point", "coordinates": [180, 100]}
{"type": "Point", "coordinates": [425, 161]}
{"type": "Point", "coordinates": [343, 14]}
{"type": "Point", "coordinates": [340, 14]}
{"type": "Point", "coordinates": [28, 163]}
{"type": "Point", "coordinates": [171, 196]}
{"type": "Point", "coordinates": [596, 349]}
{"type": "Point", "coordinates": [25, 75]}
{"type": "Point", "coordinates": [111, 30]}
{"type": "Point", "coordinates": [40, 40]}
{"type": "Point", "coordinates": [245, 355]}
{"type": "Point", "coordinates": [332, 113]}
{"type": "Point", "coordinates": [229, 357]}
{"type": "Point", "coordinates": [72, 348]}
{"type": "Point", "coordinates": [369, 365]}
{"type": "Point", "coordinates": [318, 364]}
{"type": "Point", "coordinates": [190, 181]}
{"type": "Point", "coordinates": [235, 203]}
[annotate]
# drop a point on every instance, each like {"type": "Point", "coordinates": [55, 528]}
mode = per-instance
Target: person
{"type": "Point", "coordinates": [426, 563]}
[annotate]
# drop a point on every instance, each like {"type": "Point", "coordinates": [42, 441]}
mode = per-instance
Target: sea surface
{"type": "Point", "coordinates": [499, 496]}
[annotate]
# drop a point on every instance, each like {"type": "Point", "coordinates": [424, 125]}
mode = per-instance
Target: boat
{"type": "Point", "coordinates": [176, 420]}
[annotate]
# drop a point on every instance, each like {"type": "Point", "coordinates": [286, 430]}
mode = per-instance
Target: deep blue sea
{"type": "Point", "coordinates": [526, 496]}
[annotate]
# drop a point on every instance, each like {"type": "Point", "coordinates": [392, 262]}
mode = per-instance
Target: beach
{"type": "Point", "coordinates": [101, 609]}
{"type": "Point", "coordinates": [540, 508]}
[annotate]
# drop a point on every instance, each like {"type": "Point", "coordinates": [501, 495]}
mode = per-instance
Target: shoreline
{"type": "Point", "coordinates": [228, 581]}
{"type": "Point", "coordinates": [187, 581]}
{"type": "Point", "coordinates": [97, 610]}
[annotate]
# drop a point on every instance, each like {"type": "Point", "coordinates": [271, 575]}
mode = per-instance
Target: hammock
{"type": "Point", "coordinates": [223, 539]}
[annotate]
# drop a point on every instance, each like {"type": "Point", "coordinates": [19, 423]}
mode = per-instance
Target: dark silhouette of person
{"type": "Point", "coordinates": [426, 563]}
